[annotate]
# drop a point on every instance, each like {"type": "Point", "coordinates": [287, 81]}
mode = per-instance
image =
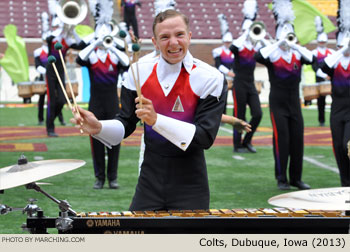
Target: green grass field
{"type": "Point", "coordinates": [234, 183]}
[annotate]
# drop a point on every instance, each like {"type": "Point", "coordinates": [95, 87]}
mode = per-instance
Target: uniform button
{"type": "Point", "coordinates": [166, 86]}
{"type": "Point", "coordinates": [183, 144]}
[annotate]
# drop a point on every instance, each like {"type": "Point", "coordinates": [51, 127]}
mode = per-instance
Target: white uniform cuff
{"type": "Point", "coordinates": [177, 132]}
{"type": "Point", "coordinates": [41, 69]}
{"type": "Point", "coordinates": [321, 74]}
{"type": "Point", "coordinates": [112, 133]}
{"type": "Point", "coordinates": [223, 69]}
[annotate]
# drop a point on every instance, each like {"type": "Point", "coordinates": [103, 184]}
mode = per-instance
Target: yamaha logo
{"type": "Point", "coordinates": [90, 223]}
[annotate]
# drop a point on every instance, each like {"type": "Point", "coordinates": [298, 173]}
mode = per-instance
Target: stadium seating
{"type": "Point", "coordinates": [25, 14]}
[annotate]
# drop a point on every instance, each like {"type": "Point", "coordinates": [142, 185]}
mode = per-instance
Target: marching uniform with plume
{"type": "Point", "coordinates": [40, 60]}
{"type": "Point", "coordinates": [69, 39]}
{"type": "Point", "coordinates": [321, 52]}
{"type": "Point", "coordinates": [284, 62]}
{"type": "Point", "coordinates": [223, 57]}
{"type": "Point", "coordinates": [244, 91]}
{"type": "Point", "coordinates": [337, 66]}
{"type": "Point", "coordinates": [104, 65]}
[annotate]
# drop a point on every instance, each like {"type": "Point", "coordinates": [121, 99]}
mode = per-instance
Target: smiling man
{"type": "Point", "coordinates": [181, 109]}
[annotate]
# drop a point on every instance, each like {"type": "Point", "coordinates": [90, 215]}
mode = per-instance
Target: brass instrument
{"type": "Point", "coordinates": [257, 31]}
{"type": "Point", "coordinates": [107, 41]}
{"type": "Point", "coordinates": [291, 38]}
{"type": "Point", "coordinates": [115, 27]}
{"type": "Point", "coordinates": [72, 12]}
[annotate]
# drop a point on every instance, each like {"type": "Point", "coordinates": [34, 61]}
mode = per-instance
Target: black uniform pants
{"type": "Point", "coordinates": [105, 105]}
{"type": "Point", "coordinates": [288, 134]}
{"type": "Point", "coordinates": [321, 104]}
{"type": "Point", "coordinates": [243, 95]}
{"type": "Point", "coordinates": [55, 97]}
{"type": "Point", "coordinates": [172, 183]}
{"type": "Point", "coordinates": [340, 127]}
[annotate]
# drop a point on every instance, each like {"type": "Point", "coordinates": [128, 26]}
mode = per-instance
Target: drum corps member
{"type": "Point", "coordinates": [181, 108]}
{"type": "Point", "coordinates": [337, 66]}
{"type": "Point", "coordinates": [284, 60]}
{"type": "Point", "coordinates": [244, 91]}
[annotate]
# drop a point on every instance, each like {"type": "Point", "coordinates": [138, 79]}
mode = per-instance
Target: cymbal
{"type": "Point", "coordinates": [17, 175]}
{"type": "Point", "coordinates": [336, 198]}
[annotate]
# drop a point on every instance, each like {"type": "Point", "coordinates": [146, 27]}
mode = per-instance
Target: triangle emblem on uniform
{"type": "Point", "coordinates": [110, 68]}
{"type": "Point", "coordinates": [178, 105]}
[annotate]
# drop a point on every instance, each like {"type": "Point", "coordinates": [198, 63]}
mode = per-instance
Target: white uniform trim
{"type": "Point", "coordinates": [177, 132]}
{"type": "Point", "coordinates": [112, 133]}
{"type": "Point", "coordinates": [204, 80]}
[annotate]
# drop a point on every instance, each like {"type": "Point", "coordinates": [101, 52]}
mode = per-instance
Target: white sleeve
{"type": "Point", "coordinates": [177, 132]}
{"type": "Point", "coordinates": [224, 69]}
{"type": "Point", "coordinates": [41, 69]}
{"type": "Point", "coordinates": [321, 74]}
{"type": "Point", "coordinates": [112, 133]}
{"type": "Point", "coordinates": [306, 53]}
{"type": "Point", "coordinates": [332, 59]}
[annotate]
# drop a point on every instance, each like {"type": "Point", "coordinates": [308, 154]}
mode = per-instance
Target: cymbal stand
{"type": "Point", "coordinates": [62, 204]}
{"type": "Point", "coordinates": [31, 209]}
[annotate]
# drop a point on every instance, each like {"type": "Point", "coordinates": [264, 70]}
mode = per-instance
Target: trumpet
{"type": "Point", "coordinates": [72, 12]}
{"type": "Point", "coordinates": [107, 41]}
{"type": "Point", "coordinates": [291, 38]}
{"type": "Point", "coordinates": [257, 31]}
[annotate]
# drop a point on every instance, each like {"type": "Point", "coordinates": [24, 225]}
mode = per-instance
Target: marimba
{"type": "Point", "coordinates": [213, 221]}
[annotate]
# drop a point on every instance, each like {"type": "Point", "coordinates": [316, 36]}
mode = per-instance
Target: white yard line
{"type": "Point", "coordinates": [321, 165]}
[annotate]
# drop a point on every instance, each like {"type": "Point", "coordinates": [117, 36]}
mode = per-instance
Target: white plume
{"type": "Point", "coordinates": [318, 24]}
{"type": "Point", "coordinates": [344, 15]}
{"type": "Point", "coordinates": [163, 5]}
{"type": "Point", "coordinates": [250, 8]}
{"type": "Point", "coordinates": [102, 10]}
{"type": "Point", "coordinates": [44, 23]}
{"type": "Point", "coordinates": [52, 6]}
{"type": "Point", "coordinates": [223, 24]}
{"type": "Point", "coordinates": [283, 11]}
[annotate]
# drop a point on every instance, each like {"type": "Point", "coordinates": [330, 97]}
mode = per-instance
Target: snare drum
{"type": "Point", "coordinates": [325, 88]}
{"type": "Point", "coordinates": [311, 92]}
{"type": "Point", "coordinates": [39, 87]}
{"type": "Point", "coordinates": [259, 85]}
{"type": "Point", "coordinates": [25, 89]}
{"type": "Point", "coordinates": [75, 87]}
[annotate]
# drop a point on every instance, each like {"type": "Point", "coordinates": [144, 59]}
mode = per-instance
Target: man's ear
{"type": "Point", "coordinates": [155, 43]}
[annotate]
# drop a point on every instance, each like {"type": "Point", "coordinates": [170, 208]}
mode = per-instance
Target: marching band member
{"type": "Point", "coordinates": [105, 62]}
{"type": "Point", "coordinates": [244, 91]}
{"type": "Point", "coordinates": [337, 66]}
{"type": "Point", "coordinates": [55, 96]}
{"type": "Point", "coordinates": [320, 53]}
{"type": "Point", "coordinates": [40, 60]}
{"type": "Point", "coordinates": [223, 57]}
{"type": "Point", "coordinates": [181, 109]}
{"type": "Point", "coordinates": [284, 60]}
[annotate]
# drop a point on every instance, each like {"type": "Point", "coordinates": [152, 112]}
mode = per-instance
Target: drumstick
{"type": "Point", "coordinates": [51, 59]}
{"type": "Point", "coordinates": [58, 47]}
{"type": "Point", "coordinates": [122, 34]}
{"type": "Point", "coordinates": [135, 48]}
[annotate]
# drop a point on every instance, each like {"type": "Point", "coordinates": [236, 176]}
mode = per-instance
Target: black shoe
{"type": "Point", "coordinates": [241, 150]}
{"type": "Point", "coordinates": [250, 148]}
{"type": "Point", "coordinates": [99, 184]}
{"type": "Point", "coordinates": [41, 123]}
{"type": "Point", "coordinates": [52, 134]}
{"type": "Point", "coordinates": [322, 124]}
{"type": "Point", "coordinates": [63, 123]}
{"type": "Point", "coordinates": [113, 184]}
{"type": "Point", "coordinates": [283, 185]}
{"type": "Point", "coordinates": [301, 185]}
